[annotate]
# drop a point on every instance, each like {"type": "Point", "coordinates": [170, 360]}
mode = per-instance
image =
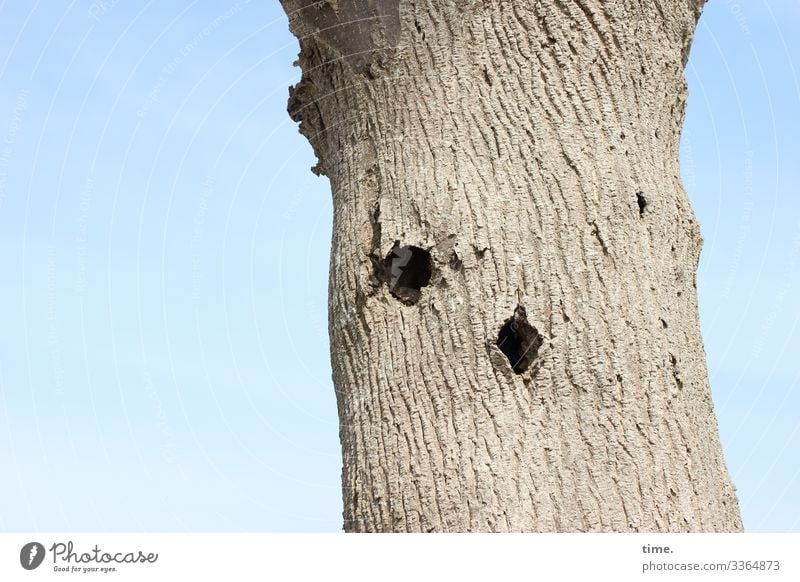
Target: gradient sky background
{"type": "Point", "coordinates": [164, 256]}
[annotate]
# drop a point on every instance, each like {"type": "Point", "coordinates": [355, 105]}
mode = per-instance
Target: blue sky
{"type": "Point", "coordinates": [164, 255]}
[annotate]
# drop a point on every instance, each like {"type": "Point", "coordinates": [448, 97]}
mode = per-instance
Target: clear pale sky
{"type": "Point", "coordinates": [164, 256]}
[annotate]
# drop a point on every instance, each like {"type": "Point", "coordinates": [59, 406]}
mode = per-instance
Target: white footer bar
{"type": "Point", "coordinates": [401, 557]}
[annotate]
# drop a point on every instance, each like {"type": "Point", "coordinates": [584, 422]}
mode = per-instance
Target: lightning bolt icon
{"type": "Point", "coordinates": [34, 551]}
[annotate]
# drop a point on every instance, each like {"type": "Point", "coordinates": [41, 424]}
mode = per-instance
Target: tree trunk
{"type": "Point", "coordinates": [513, 314]}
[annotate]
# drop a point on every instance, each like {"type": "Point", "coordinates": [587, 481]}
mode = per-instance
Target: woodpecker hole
{"type": "Point", "coordinates": [407, 270]}
{"type": "Point", "coordinates": [642, 202]}
{"type": "Point", "coordinates": [519, 341]}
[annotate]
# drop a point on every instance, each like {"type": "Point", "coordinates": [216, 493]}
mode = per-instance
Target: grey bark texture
{"type": "Point", "coordinates": [529, 151]}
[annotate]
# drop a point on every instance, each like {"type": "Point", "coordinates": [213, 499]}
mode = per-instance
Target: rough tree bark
{"type": "Point", "coordinates": [513, 314]}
